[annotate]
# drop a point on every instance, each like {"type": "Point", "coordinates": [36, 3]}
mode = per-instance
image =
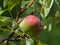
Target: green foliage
{"type": "Point", "coordinates": [47, 10]}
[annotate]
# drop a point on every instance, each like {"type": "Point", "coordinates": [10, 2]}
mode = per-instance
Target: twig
{"type": "Point", "coordinates": [17, 17]}
{"type": "Point", "coordinates": [1, 41]}
{"type": "Point", "coordinates": [19, 5]}
{"type": "Point", "coordinates": [25, 8]}
{"type": "Point", "coordinates": [18, 38]}
{"type": "Point", "coordinates": [13, 32]}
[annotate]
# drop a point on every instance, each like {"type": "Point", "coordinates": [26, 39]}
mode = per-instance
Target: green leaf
{"type": "Point", "coordinates": [47, 10]}
{"type": "Point", "coordinates": [37, 7]}
{"type": "Point", "coordinates": [4, 33]}
{"type": "Point", "coordinates": [14, 11]}
{"type": "Point", "coordinates": [21, 42]}
{"type": "Point", "coordinates": [53, 9]}
{"type": "Point", "coordinates": [1, 12]}
{"type": "Point", "coordinates": [29, 42]}
{"type": "Point", "coordinates": [27, 12]}
{"type": "Point", "coordinates": [2, 18]}
{"type": "Point", "coordinates": [7, 13]}
{"type": "Point", "coordinates": [11, 3]}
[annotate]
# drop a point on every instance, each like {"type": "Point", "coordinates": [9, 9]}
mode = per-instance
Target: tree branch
{"type": "Point", "coordinates": [25, 8]}
{"type": "Point", "coordinates": [18, 38]}
{"type": "Point", "coordinates": [17, 17]}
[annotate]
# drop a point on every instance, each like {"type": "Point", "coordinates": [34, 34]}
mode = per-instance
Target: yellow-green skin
{"type": "Point", "coordinates": [31, 25]}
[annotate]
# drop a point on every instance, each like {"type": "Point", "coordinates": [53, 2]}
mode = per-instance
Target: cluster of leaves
{"type": "Point", "coordinates": [47, 10]}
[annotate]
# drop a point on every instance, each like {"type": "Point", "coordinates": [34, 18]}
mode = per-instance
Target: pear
{"type": "Point", "coordinates": [31, 25]}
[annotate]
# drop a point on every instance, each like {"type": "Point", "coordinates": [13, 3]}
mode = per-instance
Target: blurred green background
{"type": "Point", "coordinates": [47, 10]}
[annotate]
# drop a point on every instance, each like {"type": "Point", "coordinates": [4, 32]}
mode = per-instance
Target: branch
{"type": "Point", "coordinates": [1, 41]}
{"type": "Point", "coordinates": [13, 32]}
{"type": "Point", "coordinates": [18, 38]}
{"type": "Point", "coordinates": [25, 8]}
{"type": "Point", "coordinates": [17, 17]}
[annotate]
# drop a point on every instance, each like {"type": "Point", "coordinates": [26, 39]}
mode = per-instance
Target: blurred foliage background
{"type": "Point", "coordinates": [47, 10]}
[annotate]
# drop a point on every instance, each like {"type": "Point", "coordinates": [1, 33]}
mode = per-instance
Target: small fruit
{"type": "Point", "coordinates": [31, 25]}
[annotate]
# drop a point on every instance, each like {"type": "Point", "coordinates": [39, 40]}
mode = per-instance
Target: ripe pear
{"type": "Point", "coordinates": [31, 25]}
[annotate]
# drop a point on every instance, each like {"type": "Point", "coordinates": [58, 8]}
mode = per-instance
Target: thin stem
{"type": "Point", "coordinates": [19, 6]}
{"type": "Point", "coordinates": [25, 8]}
